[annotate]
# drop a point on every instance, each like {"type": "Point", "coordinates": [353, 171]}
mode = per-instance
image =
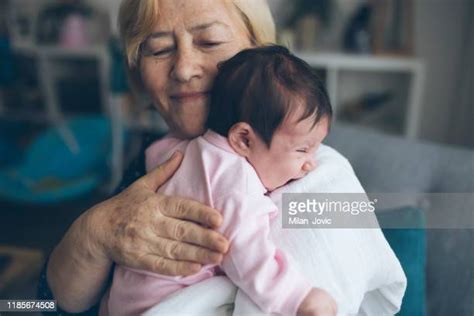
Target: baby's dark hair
{"type": "Point", "coordinates": [263, 86]}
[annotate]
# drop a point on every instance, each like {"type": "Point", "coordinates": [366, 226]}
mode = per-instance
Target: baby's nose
{"type": "Point", "coordinates": [309, 165]}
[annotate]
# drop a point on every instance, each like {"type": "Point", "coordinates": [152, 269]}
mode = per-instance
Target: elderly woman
{"type": "Point", "coordinates": [172, 50]}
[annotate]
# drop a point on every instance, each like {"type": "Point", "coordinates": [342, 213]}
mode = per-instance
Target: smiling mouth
{"type": "Point", "coordinates": [189, 96]}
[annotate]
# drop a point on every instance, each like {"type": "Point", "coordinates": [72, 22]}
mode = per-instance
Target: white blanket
{"type": "Point", "coordinates": [356, 266]}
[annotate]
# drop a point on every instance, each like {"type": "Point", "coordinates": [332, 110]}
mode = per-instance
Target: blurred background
{"type": "Point", "coordinates": [399, 70]}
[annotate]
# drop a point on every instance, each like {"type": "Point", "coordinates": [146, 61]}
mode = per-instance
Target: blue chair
{"type": "Point", "coordinates": [50, 172]}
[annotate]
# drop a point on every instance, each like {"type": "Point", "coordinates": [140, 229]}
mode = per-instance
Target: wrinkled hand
{"type": "Point", "coordinates": [142, 229]}
{"type": "Point", "coordinates": [318, 302]}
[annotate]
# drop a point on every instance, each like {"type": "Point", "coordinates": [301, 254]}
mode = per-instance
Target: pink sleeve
{"type": "Point", "coordinates": [253, 262]}
{"type": "Point", "coordinates": [160, 150]}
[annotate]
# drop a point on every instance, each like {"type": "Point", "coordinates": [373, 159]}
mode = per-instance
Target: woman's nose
{"type": "Point", "coordinates": [186, 65]}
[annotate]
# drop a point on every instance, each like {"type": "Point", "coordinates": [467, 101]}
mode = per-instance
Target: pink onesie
{"type": "Point", "coordinates": [212, 173]}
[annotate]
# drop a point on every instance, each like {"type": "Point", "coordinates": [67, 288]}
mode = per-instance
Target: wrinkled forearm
{"type": "Point", "coordinates": [78, 268]}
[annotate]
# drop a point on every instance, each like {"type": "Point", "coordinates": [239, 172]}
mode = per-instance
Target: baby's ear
{"type": "Point", "coordinates": [240, 138]}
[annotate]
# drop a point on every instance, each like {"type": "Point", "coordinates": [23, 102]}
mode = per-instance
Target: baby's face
{"type": "Point", "coordinates": [291, 153]}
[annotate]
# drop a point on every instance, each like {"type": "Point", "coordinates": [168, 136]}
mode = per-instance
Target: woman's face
{"type": "Point", "coordinates": [179, 59]}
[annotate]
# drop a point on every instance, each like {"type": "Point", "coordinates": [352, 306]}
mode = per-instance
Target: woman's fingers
{"type": "Point", "coordinates": [190, 210]}
{"type": "Point", "coordinates": [163, 234]}
{"type": "Point", "coordinates": [155, 178]}
{"type": "Point", "coordinates": [179, 251]}
{"type": "Point", "coordinates": [165, 266]}
{"type": "Point", "coordinates": [191, 233]}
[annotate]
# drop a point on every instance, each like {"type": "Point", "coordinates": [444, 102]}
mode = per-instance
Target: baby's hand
{"type": "Point", "coordinates": [318, 302]}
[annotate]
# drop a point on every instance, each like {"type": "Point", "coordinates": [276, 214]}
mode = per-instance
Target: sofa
{"type": "Point", "coordinates": [391, 164]}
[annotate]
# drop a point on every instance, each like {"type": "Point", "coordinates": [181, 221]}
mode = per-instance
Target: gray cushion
{"type": "Point", "coordinates": [392, 164]}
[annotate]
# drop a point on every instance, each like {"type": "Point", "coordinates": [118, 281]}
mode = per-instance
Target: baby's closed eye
{"type": "Point", "coordinates": [302, 150]}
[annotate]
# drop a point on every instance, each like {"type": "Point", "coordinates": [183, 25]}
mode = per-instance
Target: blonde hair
{"type": "Point", "coordinates": [138, 17]}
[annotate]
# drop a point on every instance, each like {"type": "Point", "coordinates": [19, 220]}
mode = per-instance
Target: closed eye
{"type": "Point", "coordinates": [209, 44]}
{"type": "Point", "coordinates": [162, 52]}
{"type": "Point", "coordinates": [302, 150]}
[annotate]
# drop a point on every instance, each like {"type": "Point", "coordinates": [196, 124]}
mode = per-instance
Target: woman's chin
{"type": "Point", "coordinates": [189, 132]}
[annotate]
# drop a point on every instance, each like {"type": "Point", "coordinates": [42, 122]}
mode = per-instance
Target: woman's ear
{"type": "Point", "coordinates": [241, 137]}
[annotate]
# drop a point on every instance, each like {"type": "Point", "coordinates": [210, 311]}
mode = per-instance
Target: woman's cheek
{"type": "Point", "coordinates": [145, 72]}
{"type": "Point", "coordinates": [153, 74]}
{"type": "Point", "coordinates": [154, 82]}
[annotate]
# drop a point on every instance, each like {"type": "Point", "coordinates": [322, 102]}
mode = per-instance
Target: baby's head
{"type": "Point", "coordinates": [274, 111]}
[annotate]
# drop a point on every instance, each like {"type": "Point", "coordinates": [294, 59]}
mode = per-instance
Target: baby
{"type": "Point", "coordinates": [268, 114]}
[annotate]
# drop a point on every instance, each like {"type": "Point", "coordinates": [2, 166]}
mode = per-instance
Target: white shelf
{"type": "Point", "coordinates": [64, 52]}
{"type": "Point", "coordinates": [334, 63]}
{"type": "Point", "coordinates": [361, 62]}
